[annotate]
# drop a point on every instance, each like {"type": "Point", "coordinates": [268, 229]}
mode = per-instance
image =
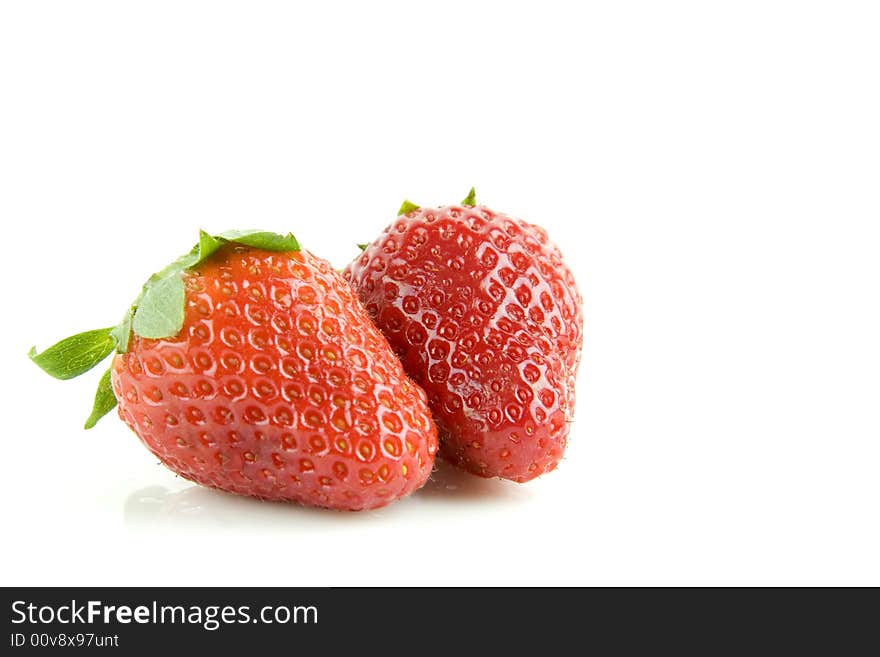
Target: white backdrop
{"type": "Point", "coordinates": [710, 170]}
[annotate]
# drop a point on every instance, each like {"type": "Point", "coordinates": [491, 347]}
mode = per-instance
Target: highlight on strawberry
{"type": "Point", "coordinates": [249, 365]}
{"type": "Point", "coordinates": [487, 318]}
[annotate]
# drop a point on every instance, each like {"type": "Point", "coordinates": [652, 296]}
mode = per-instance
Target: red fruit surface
{"type": "Point", "coordinates": [487, 318]}
{"type": "Point", "coordinates": [279, 386]}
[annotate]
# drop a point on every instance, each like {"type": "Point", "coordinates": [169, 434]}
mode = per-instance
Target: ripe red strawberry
{"type": "Point", "coordinates": [487, 318]}
{"type": "Point", "coordinates": [250, 366]}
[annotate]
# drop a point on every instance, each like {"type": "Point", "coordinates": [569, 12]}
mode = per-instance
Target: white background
{"type": "Point", "coordinates": [710, 170]}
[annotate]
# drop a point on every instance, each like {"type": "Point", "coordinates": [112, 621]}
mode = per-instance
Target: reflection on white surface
{"type": "Point", "coordinates": [197, 506]}
{"type": "Point", "coordinates": [448, 483]}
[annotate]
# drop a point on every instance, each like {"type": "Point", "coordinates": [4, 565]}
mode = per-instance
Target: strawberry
{"type": "Point", "coordinates": [249, 365]}
{"type": "Point", "coordinates": [486, 317]}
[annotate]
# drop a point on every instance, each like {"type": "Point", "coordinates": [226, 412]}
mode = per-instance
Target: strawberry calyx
{"type": "Point", "coordinates": [157, 313]}
{"type": "Point", "coordinates": [406, 207]}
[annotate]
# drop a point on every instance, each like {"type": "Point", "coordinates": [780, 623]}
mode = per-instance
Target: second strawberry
{"type": "Point", "coordinates": [486, 317]}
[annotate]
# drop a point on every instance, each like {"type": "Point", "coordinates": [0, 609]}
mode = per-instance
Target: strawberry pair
{"type": "Point", "coordinates": [253, 366]}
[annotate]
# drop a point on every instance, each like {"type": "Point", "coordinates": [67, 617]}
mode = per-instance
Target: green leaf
{"type": "Point", "coordinates": [261, 239]}
{"type": "Point", "coordinates": [406, 208]}
{"type": "Point", "coordinates": [75, 355]}
{"type": "Point", "coordinates": [207, 245]}
{"type": "Point", "coordinates": [159, 311]}
{"type": "Point", "coordinates": [471, 199]}
{"type": "Point", "coordinates": [105, 400]}
{"type": "Point", "coordinates": [122, 331]}
{"type": "Point", "coordinates": [363, 247]}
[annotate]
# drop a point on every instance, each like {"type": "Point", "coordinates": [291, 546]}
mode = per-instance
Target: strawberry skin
{"type": "Point", "coordinates": [278, 386]}
{"type": "Point", "coordinates": [487, 318]}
